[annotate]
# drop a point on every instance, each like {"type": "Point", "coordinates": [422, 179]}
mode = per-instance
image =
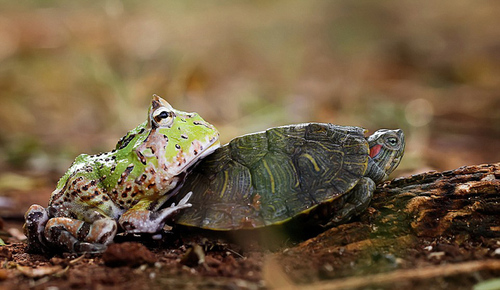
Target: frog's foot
{"type": "Point", "coordinates": [357, 201]}
{"type": "Point", "coordinates": [146, 221]}
{"type": "Point", "coordinates": [35, 219]}
{"type": "Point", "coordinates": [78, 236]}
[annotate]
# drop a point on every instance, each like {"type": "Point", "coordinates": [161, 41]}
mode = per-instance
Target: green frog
{"type": "Point", "coordinates": [125, 189]}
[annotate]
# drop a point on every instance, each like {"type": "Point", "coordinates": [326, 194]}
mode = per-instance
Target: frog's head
{"type": "Point", "coordinates": [177, 139]}
{"type": "Point", "coordinates": [154, 155]}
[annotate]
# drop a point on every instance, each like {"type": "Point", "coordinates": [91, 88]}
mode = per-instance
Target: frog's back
{"type": "Point", "coordinates": [269, 177]}
{"type": "Point", "coordinates": [81, 189]}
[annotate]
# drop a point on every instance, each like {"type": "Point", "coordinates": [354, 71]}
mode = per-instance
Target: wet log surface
{"type": "Point", "coordinates": [436, 230]}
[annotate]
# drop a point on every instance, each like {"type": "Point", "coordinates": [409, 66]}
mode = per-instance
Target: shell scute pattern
{"type": "Point", "coordinates": [248, 149]}
{"type": "Point", "coordinates": [269, 177]}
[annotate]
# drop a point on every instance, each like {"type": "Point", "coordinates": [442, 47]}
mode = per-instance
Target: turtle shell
{"type": "Point", "coordinates": [269, 177]}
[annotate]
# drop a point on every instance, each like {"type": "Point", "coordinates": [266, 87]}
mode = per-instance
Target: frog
{"type": "Point", "coordinates": [126, 189]}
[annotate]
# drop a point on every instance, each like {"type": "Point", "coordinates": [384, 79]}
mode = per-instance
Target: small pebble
{"type": "Point", "coordinates": [193, 256]}
{"type": "Point", "coordinates": [436, 255]}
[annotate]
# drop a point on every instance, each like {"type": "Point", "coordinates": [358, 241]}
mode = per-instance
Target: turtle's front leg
{"type": "Point", "coordinates": [140, 220]}
{"type": "Point", "coordinates": [357, 200]}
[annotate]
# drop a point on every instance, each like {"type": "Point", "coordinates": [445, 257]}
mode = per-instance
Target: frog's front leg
{"type": "Point", "coordinates": [140, 220]}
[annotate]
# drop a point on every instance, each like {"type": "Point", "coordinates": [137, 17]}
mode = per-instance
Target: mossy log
{"type": "Point", "coordinates": [434, 229]}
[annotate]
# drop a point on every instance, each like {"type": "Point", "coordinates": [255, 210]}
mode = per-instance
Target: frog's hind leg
{"type": "Point", "coordinates": [35, 219]}
{"type": "Point", "coordinates": [78, 236]}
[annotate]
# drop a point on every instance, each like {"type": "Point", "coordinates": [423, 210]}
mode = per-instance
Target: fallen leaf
{"type": "Point", "coordinates": [491, 284]}
{"type": "Point", "coordinates": [16, 233]}
{"type": "Point", "coordinates": [39, 271]}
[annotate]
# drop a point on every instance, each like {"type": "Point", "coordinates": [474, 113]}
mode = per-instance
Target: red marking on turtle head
{"type": "Point", "coordinates": [375, 150]}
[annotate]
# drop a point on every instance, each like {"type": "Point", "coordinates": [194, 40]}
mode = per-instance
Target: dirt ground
{"type": "Point", "coordinates": [354, 255]}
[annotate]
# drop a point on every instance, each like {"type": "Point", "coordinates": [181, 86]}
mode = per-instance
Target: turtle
{"type": "Point", "coordinates": [271, 177]}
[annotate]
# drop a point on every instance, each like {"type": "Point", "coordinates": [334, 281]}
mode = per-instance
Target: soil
{"type": "Point", "coordinates": [384, 248]}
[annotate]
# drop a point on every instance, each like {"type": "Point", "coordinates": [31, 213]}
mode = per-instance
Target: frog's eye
{"type": "Point", "coordinates": [163, 117]}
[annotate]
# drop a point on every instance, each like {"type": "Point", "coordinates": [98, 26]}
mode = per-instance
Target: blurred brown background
{"type": "Point", "coordinates": [75, 76]}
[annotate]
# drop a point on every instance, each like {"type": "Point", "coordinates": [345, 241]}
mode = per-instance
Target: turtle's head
{"type": "Point", "coordinates": [386, 149]}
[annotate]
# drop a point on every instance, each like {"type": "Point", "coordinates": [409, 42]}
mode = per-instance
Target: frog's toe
{"type": "Point", "coordinates": [92, 248]}
{"type": "Point", "coordinates": [185, 199]}
{"type": "Point", "coordinates": [183, 203]}
{"type": "Point", "coordinates": [169, 212]}
{"type": "Point", "coordinates": [136, 221]}
{"type": "Point", "coordinates": [102, 231]}
{"type": "Point", "coordinates": [35, 219]}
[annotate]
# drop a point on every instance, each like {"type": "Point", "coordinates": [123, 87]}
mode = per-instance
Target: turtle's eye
{"type": "Point", "coordinates": [392, 141]}
{"type": "Point", "coordinates": [164, 118]}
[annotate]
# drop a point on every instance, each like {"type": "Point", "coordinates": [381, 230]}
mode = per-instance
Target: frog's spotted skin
{"type": "Point", "coordinates": [127, 185]}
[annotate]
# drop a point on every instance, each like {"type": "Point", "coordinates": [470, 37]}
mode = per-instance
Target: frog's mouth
{"type": "Point", "coordinates": [187, 168]}
{"type": "Point", "coordinates": [173, 192]}
{"type": "Point", "coordinates": [202, 154]}
{"type": "Point", "coordinates": [210, 149]}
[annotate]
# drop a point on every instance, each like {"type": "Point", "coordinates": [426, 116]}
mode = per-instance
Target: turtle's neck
{"type": "Point", "coordinates": [374, 172]}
